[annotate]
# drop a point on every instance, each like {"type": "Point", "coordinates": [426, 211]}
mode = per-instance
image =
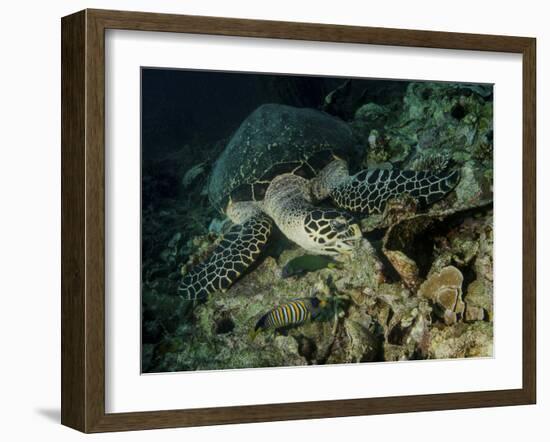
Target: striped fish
{"type": "Point", "coordinates": [292, 313]}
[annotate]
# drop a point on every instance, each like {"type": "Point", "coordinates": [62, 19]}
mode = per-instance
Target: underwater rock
{"type": "Point", "coordinates": [147, 356]}
{"type": "Point", "coordinates": [245, 303]}
{"type": "Point", "coordinates": [462, 340]}
{"type": "Point", "coordinates": [370, 318]}
{"type": "Point", "coordinates": [474, 188]}
{"type": "Point", "coordinates": [373, 115]}
{"type": "Point", "coordinates": [430, 119]}
{"type": "Point", "coordinates": [453, 117]}
{"type": "Point", "coordinates": [361, 343]}
{"type": "Point", "coordinates": [467, 244]}
{"type": "Point", "coordinates": [363, 268]}
{"type": "Point", "coordinates": [352, 100]}
{"type": "Point", "coordinates": [364, 345]}
{"type": "Point", "coordinates": [357, 337]}
{"type": "Point", "coordinates": [405, 322]}
{"type": "Point", "coordinates": [473, 313]}
{"type": "Point", "coordinates": [403, 242]}
{"type": "Point", "coordinates": [405, 266]}
{"type": "Point", "coordinates": [399, 241]}
{"type": "Point", "coordinates": [444, 289]}
{"type": "Point", "coordinates": [479, 300]}
{"type": "Point", "coordinates": [470, 246]}
{"type": "Point", "coordinates": [377, 151]}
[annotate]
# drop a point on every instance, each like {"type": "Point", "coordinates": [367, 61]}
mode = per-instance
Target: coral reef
{"type": "Point", "coordinates": [373, 315]}
{"type": "Point", "coordinates": [444, 289]}
{"type": "Point", "coordinates": [432, 124]}
{"type": "Point", "coordinates": [419, 286]}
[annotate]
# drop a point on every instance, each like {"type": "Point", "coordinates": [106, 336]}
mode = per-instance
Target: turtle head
{"type": "Point", "coordinates": [330, 232]}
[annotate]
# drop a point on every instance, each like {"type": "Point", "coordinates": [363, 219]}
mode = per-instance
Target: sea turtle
{"type": "Point", "coordinates": [278, 166]}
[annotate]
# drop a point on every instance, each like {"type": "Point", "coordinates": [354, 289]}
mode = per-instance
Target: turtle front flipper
{"type": "Point", "coordinates": [368, 191]}
{"type": "Point", "coordinates": [239, 248]}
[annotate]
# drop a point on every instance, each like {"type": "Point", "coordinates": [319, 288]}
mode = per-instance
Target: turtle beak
{"type": "Point", "coordinates": [354, 235]}
{"type": "Point", "coordinates": [357, 234]}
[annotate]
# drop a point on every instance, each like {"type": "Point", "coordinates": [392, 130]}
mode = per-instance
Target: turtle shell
{"type": "Point", "coordinates": [273, 140]}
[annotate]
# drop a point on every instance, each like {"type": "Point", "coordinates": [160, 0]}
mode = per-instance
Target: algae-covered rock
{"type": "Point", "coordinates": [462, 341]}
{"type": "Point", "coordinates": [405, 266]}
{"type": "Point", "coordinates": [431, 124]}
{"type": "Point", "coordinates": [479, 294]}
{"type": "Point", "coordinates": [373, 115]}
{"type": "Point", "coordinates": [222, 325]}
{"type": "Point", "coordinates": [364, 345]}
{"type": "Point", "coordinates": [399, 242]}
{"type": "Point", "coordinates": [474, 187]}
{"type": "Point", "coordinates": [371, 316]}
{"type": "Point", "coordinates": [405, 322]}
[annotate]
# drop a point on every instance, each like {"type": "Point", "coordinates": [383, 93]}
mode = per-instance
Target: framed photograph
{"type": "Point", "coordinates": [268, 220]}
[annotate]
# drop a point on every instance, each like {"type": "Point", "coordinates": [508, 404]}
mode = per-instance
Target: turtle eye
{"type": "Point", "coordinates": [339, 224]}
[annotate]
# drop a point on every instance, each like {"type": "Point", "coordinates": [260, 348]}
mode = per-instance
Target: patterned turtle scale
{"type": "Point", "coordinates": [276, 139]}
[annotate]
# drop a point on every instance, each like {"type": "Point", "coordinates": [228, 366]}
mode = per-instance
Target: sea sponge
{"type": "Point", "coordinates": [444, 289]}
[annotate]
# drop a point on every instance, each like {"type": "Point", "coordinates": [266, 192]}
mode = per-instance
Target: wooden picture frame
{"type": "Point", "coordinates": [83, 220]}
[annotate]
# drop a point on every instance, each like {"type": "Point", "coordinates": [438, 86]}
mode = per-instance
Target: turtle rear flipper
{"type": "Point", "coordinates": [239, 248]}
{"type": "Point", "coordinates": [368, 191]}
